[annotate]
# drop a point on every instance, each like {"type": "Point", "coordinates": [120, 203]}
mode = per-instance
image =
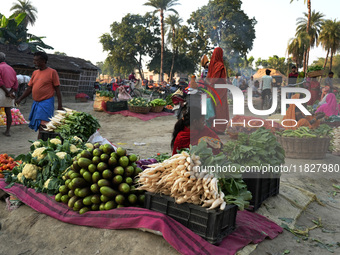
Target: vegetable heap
{"type": "Point", "coordinates": [305, 132]}
{"type": "Point", "coordinates": [105, 93]}
{"type": "Point", "coordinates": [158, 102]}
{"type": "Point", "coordinates": [6, 163]}
{"type": "Point", "coordinates": [139, 101]}
{"type": "Point", "coordinates": [260, 147]}
{"type": "Point", "coordinates": [160, 157]}
{"type": "Point", "coordinates": [42, 168]}
{"type": "Point", "coordinates": [314, 68]}
{"type": "Point", "coordinates": [71, 123]}
{"type": "Point", "coordinates": [181, 177]}
{"type": "Point", "coordinates": [101, 179]}
{"type": "Point", "coordinates": [143, 163]}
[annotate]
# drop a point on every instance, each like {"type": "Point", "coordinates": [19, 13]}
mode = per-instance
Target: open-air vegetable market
{"type": "Point", "coordinates": [170, 127]}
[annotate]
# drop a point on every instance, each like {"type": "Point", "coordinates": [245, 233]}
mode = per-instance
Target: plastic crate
{"type": "Point", "coordinates": [212, 225]}
{"type": "Point", "coordinates": [261, 189]}
{"type": "Point", "coordinates": [116, 106]}
{"type": "Point", "coordinates": [45, 135]}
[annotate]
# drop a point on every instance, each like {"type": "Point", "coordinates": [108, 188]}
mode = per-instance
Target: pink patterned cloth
{"type": "Point", "coordinates": [250, 227]}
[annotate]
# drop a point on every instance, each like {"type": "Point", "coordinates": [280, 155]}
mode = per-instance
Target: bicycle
{"type": "Point", "coordinates": [130, 89]}
{"type": "Point", "coordinates": [159, 92]}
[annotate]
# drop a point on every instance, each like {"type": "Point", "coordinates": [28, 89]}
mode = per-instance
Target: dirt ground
{"type": "Point", "coordinates": [24, 231]}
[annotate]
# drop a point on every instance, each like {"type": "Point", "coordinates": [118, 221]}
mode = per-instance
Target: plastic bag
{"type": "Point", "coordinates": [97, 138]}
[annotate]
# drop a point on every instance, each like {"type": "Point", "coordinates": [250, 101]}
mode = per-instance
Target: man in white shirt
{"type": "Point", "coordinates": [266, 86]}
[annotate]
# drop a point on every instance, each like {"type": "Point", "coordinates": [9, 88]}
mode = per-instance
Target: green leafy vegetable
{"type": "Point", "coordinates": [79, 124]}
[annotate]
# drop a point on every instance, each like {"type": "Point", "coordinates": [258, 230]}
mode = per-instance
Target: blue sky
{"type": "Point", "coordinates": [74, 26]}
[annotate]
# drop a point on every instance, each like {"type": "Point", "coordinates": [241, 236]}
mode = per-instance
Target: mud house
{"type": "Point", "coordinates": [76, 75]}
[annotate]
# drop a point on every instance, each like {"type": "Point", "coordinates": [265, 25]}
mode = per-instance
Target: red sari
{"type": "Point", "coordinates": [217, 75]}
{"type": "Point", "coordinates": [182, 140]}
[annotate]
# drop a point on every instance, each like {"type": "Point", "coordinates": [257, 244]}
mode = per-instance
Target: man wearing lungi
{"type": "Point", "coordinates": [44, 82]}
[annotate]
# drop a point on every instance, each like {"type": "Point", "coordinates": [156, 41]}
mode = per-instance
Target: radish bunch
{"type": "Point", "coordinates": [180, 178]}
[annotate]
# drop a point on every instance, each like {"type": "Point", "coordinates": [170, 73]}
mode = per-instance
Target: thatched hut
{"type": "Point", "coordinates": [76, 75]}
{"type": "Point", "coordinates": [261, 72]}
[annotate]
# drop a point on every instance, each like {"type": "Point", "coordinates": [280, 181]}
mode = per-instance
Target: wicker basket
{"type": "Point", "coordinates": [158, 108]}
{"type": "Point", "coordinates": [139, 109]}
{"type": "Point", "coordinates": [315, 73]}
{"type": "Point", "coordinates": [304, 148]}
{"type": "Point", "coordinates": [333, 124]}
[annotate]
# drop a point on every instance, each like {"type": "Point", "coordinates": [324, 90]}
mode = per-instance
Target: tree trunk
{"type": "Point", "coordinates": [140, 68]}
{"type": "Point", "coordinates": [173, 53]}
{"type": "Point", "coordinates": [331, 61]}
{"type": "Point", "coordinates": [324, 65]}
{"type": "Point", "coordinates": [305, 62]}
{"type": "Point", "coordinates": [162, 46]}
{"type": "Point", "coordinates": [309, 6]}
{"type": "Point", "coordinates": [307, 57]}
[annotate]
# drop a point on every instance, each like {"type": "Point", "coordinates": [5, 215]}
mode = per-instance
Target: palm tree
{"type": "Point", "coordinates": [330, 39]}
{"type": "Point", "coordinates": [25, 6]}
{"type": "Point", "coordinates": [295, 50]}
{"type": "Point", "coordinates": [173, 21]}
{"type": "Point", "coordinates": [304, 43]}
{"type": "Point", "coordinates": [316, 21]}
{"type": "Point", "coordinates": [309, 7]}
{"type": "Point", "coordinates": [161, 6]}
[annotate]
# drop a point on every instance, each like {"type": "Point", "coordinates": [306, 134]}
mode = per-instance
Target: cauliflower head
{"type": "Point", "coordinates": [37, 144]}
{"type": "Point", "coordinates": [55, 141]}
{"type": "Point", "coordinates": [74, 148]}
{"type": "Point", "coordinates": [30, 171]}
{"type": "Point", "coordinates": [61, 155]}
{"type": "Point", "coordinates": [77, 139]}
{"type": "Point", "coordinates": [89, 145]}
{"type": "Point", "coordinates": [46, 183]}
{"type": "Point", "coordinates": [38, 153]}
{"type": "Point", "coordinates": [20, 175]}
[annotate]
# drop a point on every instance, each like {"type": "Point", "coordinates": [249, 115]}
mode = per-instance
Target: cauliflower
{"type": "Point", "coordinates": [46, 183]}
{"type": "Point", "coordinates": [74, 148]}
{"type": "Point", "coordinates": [20, 175]}
{"type": "Point", "coordinates": [55, 141]}
{"type": "Point", "coordinates": [37, 144]}
{"type": "Point", "coordinates": [30, 171]}
{"type": "Point", "coordinates": [77, 139]}
{"type": "Point", "coordinates": [61, 155]}
{"type": "Point", "coordinates": [39, 153]}
{"type": "Point", "coordinates": [89, 145]}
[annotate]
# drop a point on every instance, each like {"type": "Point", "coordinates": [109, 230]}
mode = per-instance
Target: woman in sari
{"type": "Point", "coordinates": [186, 132]}
{"type": "Point", "coordinates": [295, 117]}
{"type": "Point", "coordinates": [314, 88]}
{"type": "Point", "coordinates": [217, 75]}
{"type": "Point", "coordinates": [330, 107]}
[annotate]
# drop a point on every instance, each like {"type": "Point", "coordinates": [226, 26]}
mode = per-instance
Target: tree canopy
{"type": "Point", "coordinates": [132, 39]}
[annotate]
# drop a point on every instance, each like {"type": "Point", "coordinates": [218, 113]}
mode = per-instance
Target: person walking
{"type": "Point", "coordinates": [267, 85]}
{"type": "Point", "coordinates": [43, 84]}
{"type": "Point", "coordinates": [8, 87]}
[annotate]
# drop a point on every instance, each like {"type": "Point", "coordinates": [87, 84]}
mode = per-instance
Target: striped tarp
{"type": "Point", "coordinates": [250, 227]}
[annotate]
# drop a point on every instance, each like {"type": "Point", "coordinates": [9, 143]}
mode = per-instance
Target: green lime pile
{"type": "Point", "coordinates": [101, 179]}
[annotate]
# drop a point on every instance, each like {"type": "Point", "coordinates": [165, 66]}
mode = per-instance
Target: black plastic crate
{"type": "Point", "coordinates": [261, 189]}
{"type": "Point", "coordinates": [45, 135]}
{"type": "Point", "coordinates": [116, 106]}
{"type": "Point", "coordinates": [212, 225]}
